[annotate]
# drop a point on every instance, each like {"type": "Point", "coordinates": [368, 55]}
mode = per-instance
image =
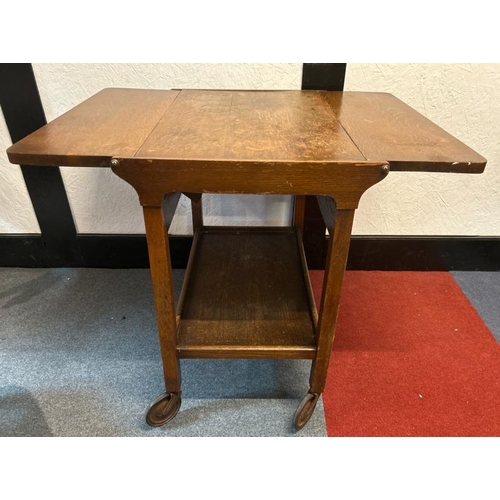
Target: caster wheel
{"type": "Point", "coordinates": [163, 409]}
{"type": "Point", "coordinates": [305, 410]}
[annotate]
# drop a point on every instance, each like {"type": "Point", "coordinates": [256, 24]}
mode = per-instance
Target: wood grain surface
{"type": "Point", "coordinates": [336, 260]}
{"type": "Point", "coordinates": [262, 126]}
{"type": "Point", "coordinates": [385, 128]}
{"type": "Point", "coordinates": [161, 277]}
{"type": "Point", "coordinates": [239, 125]}
{"type": "Point", "coordinates": [246, 288]}
{"type": "Point", "coordinates": [112, 122]}
{"type": "Point", "coordinates": [344, 181]}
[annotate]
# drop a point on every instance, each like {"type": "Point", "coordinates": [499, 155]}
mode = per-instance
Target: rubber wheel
{"type": "Point", "coordinates": [305, 410]}
{"type": "Point", "coordinates": [163, 409]}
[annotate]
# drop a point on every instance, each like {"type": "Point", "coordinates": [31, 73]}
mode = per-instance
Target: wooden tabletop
{"type": "Point", "coordinates": [291, 126]}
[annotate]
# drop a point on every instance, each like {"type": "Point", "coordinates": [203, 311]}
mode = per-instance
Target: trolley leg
{"type": "Point", "coordinates": [299, 207]}
{"type": "Point", "coordinates": [196, 209]}
{"type": "Point", "coordinates": [338, 249]}
{"type": "Point", "coordinates": [164, 408]}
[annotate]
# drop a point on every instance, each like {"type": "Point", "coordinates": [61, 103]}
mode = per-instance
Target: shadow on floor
{"type": "Point", "coordinates": [20, 414]}
{"type": "Point", "coordinates": [20, 293]}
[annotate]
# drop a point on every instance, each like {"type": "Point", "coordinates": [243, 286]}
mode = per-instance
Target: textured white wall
{"type": "Point", "coordinates": [462, 98]}
{"type": "Point", "coordinates": [16, 211]}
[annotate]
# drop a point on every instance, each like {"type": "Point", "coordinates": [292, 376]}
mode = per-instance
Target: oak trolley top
{"type": "Point", "coordinates": [255, 126]}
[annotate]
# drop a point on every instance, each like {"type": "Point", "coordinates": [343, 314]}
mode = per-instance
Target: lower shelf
{"type": "Point", "coordinates": [246, 295]}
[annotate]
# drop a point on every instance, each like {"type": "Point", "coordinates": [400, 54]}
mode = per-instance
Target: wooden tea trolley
{"type": "Point", "coordinates": [246, 292]}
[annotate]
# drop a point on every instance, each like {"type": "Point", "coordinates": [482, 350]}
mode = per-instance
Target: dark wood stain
{"type": "Point", "coordinates": [161, 276]}
{"type": "Point", "coordinates": [338, 249]}
{"type": "Point", "coordinates": [344, 181]}
{"type": "Point", "coordinates": [247, 292]}
{"type": "Point", "coordinates": [196, 209]}
{"type": "Point", "coordinates": [383, 127]}
{"type": "Point", "coordinates": [217, 125]}
{"type": "Point", "coordinates": [111, 123]}
{"type": "Point", "coordinates": [246, 288]}
{"type": "Point", "coordinates": [240, 125]}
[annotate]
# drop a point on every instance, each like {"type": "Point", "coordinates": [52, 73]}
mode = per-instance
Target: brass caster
{"type": "Point", "coordinates": [305, 410]}
{"type": "Point", "coordinates": [163, 409]}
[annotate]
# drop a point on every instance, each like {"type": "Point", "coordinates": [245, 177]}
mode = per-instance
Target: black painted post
{"type": "Point", "coordinates": [23, 112]}
{"type": "Point", "coordinates": [323, 76]}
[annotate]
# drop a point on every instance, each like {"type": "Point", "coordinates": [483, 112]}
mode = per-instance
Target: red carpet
{"type": "Point", "coordinates": [411, 357]}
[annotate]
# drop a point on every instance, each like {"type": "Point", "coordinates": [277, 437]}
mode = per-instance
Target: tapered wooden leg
{"type": "Point", "coordinates": [299, 207]}
{"type": "Point", "coordinates": [196, 210]}
{"type": "Point", "coordinates": [166, 406]}
{"type": "Point", "coordinates": [338, 248]}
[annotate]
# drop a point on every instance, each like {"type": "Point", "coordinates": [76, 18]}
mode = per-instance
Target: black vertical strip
{"type": "Point", "coordinates": [23, 112]}
{"type": "Point", "coordinates": [322, 76]}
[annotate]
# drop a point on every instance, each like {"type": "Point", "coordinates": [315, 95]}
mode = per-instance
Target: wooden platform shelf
{"type": "Point", "coordinates": [246, 294]}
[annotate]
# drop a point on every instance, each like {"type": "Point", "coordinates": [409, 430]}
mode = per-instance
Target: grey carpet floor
{"type": "Point", "coordinates": [483, 291]}
{"type": "Point", "coordinates": [79, 356]}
